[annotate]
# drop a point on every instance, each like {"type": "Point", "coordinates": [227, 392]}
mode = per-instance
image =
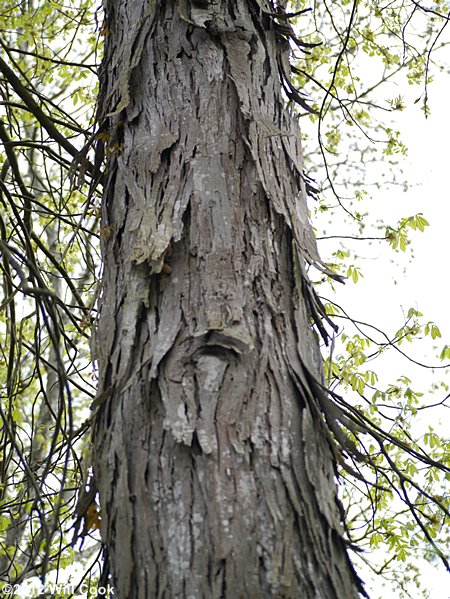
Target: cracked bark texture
{"type": "Point", "coordinates": [213, 464]}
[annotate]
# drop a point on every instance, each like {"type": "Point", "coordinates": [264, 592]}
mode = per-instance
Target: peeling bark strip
{"type": "Point", "coordinates": [215, 474]}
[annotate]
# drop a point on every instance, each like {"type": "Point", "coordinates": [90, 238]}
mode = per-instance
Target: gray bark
{"type": "Point", "coordinates": [213, 464]}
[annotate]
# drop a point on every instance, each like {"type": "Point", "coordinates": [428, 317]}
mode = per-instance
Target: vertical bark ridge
{"type": "Point", "coordinates": [215, 475]}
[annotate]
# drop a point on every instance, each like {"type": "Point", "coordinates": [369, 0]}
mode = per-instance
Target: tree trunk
{"type": "Point", "coordinates": [213, 465]}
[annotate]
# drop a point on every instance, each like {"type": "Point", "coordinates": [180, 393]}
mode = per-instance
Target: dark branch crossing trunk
{"type": "Point", "coordinates": [213, 463]}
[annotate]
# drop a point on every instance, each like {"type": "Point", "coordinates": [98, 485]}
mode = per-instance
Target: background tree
{"type": "Point", "coordinates": [49, 259]}
{"type": "Point", "coordinates": [49, 180]}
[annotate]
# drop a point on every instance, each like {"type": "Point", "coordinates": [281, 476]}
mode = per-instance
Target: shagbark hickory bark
{"type": "Point", "coordinates": [213, 465]}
